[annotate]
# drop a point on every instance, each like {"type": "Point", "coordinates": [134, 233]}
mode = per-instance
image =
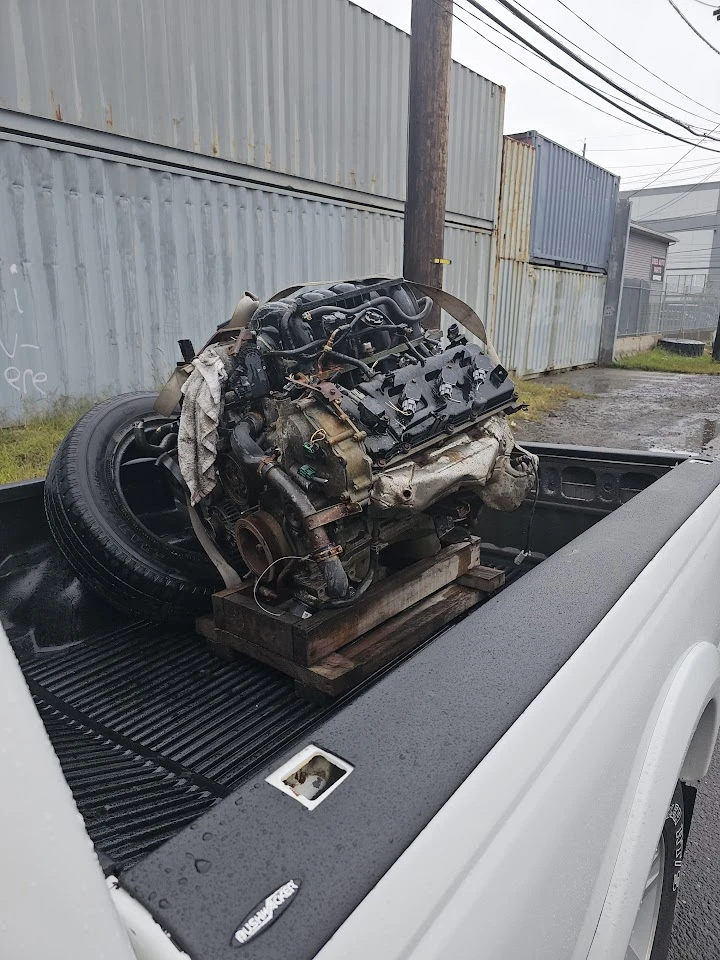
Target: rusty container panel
{"type": "Point", "coordinates": [516, 190]}
{"type": "Point", "coordinates": [316, 89]}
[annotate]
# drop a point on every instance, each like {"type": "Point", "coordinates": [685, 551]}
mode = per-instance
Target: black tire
{"type": "Point", "coordinates": [674, 837]}
{"type": "Point", "coordinates": [106, 543]}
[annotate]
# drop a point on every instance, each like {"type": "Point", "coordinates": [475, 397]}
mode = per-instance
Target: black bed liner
{"type": "Point", "coordinates": [152, 729]}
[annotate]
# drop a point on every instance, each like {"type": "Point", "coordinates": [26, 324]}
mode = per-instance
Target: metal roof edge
{"type": "Point", "coordinates": [636, 227]}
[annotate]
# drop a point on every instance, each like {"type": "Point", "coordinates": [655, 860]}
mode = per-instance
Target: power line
{"type": "Point", "coordinates": [612, 69]}
{"type": "Point", "coordinates": [672, 167]}
{"type": "Point", "coordinates": [636, 166]}
{"type": "Point", "coordinates": [587, 66]}
{"type": "Point", "coordinates": [647, 215]}
{"type": "Point", "coordinates": [679, 173]}
{"type": "Point", "coordinates": [643, 149]}
{"type": "Point", "coordinates": [547, 79]}
{"type": "Point", "coordinates": [569, 73]}
{"type": "Point", "coordinates": [630, 57]}
{"type": "Point", "coordinates": [692, 26]}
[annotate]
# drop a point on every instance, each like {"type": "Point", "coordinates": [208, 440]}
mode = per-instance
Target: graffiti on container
{"type": "Point", "coordinates": [18, 374]}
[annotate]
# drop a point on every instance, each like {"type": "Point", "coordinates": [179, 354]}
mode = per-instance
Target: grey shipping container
{"type": "Point", "coordinates": [573, 207]}
{"type": "Point", "coordinates": [316, 90]}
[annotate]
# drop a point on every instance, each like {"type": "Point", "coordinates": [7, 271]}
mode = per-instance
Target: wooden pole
{"type": "Point", "coordinates": [428, 122]}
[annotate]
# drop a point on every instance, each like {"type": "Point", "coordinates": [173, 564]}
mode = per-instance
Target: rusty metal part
{"type": "Point", "coordinates": [329, 391]}
{"type": "Point", "coordinates": [329, 552]}
{"type": "Point", "coordinates": [335, 512]}
{"type": "Point", "coordinates": [261, 542]}
{"type": "Point", "coordinates": [344, 461]}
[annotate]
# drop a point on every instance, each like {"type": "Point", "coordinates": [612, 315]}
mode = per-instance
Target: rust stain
{"type": "Point", "coordinates": [58, 111]}
{"type": "Point", "coordinates": [109, 119]}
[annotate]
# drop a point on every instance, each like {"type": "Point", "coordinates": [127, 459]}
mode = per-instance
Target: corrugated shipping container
{"type": "Point", "coordinates": [105, 264]}
{"type": "Point", "coordinates": [573, 207]}
{"type": "Point", "coordinates": [546, 318]}
{"type": "Point", "coordinates": [316, 89]}
{"type": "Point", "coordinates": [565, 318]}
{"type": "Point", "coordinates": [512, 314]}
{"type": "Point", "coordinates": [516, 189]}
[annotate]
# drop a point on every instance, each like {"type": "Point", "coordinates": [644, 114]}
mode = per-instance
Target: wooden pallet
{"type": "Point", "coordinates": [333, 651]}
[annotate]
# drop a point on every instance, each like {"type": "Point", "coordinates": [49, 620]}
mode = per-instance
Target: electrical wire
{"type": "Point", "coordinates": [636, 149]}
{"type": "Point", "coordinates": [692, 26]}
{"type": "Point", "coordinates": [569, 73]}
{"type": "Point", "coordinates": [612, 69]}
{"type": "Point", "coordinates": [528, 21]}
{"type": "Point", "coordinates": [672, 167]}
{"type": "Point", "coordinates": [272, 613]}
{"type": "Point", "coordinates": [636, 166]}
{"type": "Point", "coordinates": [647, 215]}
{"type": "Point", "coordinates": [681, 174]}
{"type": "Point", "coordinates": [643, 125]}
{"type": "Point", "coordinates": [552, 83]}
{"type": "Point", "coordinates": [637, 62]}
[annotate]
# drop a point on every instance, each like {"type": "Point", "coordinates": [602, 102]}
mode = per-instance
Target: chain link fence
{"type": "Point", "coordinates": [684, 305]}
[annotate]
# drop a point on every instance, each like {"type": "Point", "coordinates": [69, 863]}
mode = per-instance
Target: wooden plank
{"type": "Point", "coordinates": [336, 675]}
{"type": "Point", "coordinates": [237, 612]}
{"type": "Point", "coordinates": [205, 626]}
{"type": "Point", "coordinates": [486, 579]}
{"type": "Point", "coordinates": [330, 630]}
{"type": "Point", "coordinates": [410, 628]}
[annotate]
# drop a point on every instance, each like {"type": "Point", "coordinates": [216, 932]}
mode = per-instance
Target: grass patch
{"type": "Point", "coordinates": [27, 449]}
{"type": "Point", "coordinates": [542, 396]}
{"type": "Point", "coordinates": [664, 361]}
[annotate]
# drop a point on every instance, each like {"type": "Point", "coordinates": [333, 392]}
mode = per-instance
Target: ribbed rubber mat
{"type": "Point", "coordinates": [130, 805]}
{"type": "Point", "coordinates": [149, 715]}
{"type": "Point", "coordinates": [162, 691]}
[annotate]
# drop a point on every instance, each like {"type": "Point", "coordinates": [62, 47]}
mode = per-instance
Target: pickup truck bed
{"type": "Point", "coordinates": [153, 731]}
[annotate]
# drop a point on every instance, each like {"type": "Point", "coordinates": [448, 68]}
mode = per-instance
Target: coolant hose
{"type": "Point", "coordinates": [250, 454]}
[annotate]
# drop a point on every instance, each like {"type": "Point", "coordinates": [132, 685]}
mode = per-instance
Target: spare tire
{"type": "Point", "coordinates": [121, 522]}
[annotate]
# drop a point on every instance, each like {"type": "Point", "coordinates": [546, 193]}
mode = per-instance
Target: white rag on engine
{"type": "Point", "coordinates": [199, 418]}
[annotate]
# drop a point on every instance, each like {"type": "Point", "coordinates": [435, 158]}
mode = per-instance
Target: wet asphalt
{"type": "Point", "coordinates": [635, 410]}
{"type": "Point", "coordinates": [662, 411]}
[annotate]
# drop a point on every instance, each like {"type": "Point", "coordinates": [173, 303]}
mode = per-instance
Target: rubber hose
{"type": "Point", "coordinates": [249, 453]}
{"type": "Point", "coordinates": [286, 337]}
{"type": "Point", "coordinates": [344, 358]}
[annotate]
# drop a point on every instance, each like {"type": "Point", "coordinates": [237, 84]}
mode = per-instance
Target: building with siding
{"type": "Point", "coordinates": [646, 257]}
{"type": "Point", "coordinates": [691, 214]}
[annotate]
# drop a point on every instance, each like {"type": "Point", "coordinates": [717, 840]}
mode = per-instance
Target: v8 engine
{"type": "Point", "coordinates": [329, 435]}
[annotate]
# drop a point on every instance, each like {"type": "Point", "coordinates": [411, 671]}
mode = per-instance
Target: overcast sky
{"type": "Point", "coordinates": [650, 31]}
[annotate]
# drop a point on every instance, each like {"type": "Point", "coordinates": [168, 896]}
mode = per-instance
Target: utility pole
{"type": "Point", "coordinates": [428, 122]}
{"type": "Point", "coordinates": [584, 147]}
{"type": "Point", "coordinates": [716, 343]}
